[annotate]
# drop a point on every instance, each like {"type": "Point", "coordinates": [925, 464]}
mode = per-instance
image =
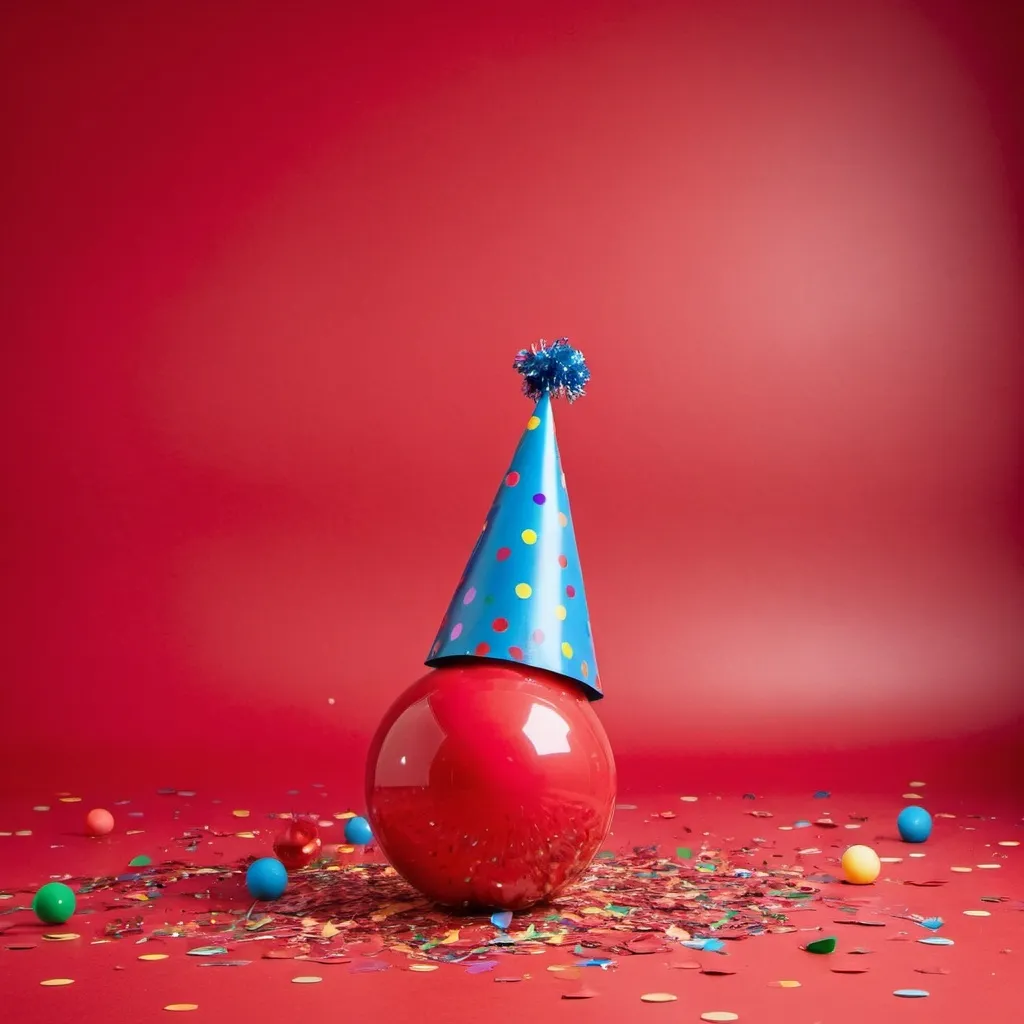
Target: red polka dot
{"type": "Point", "coordinates": [499, 625]}
{"type": "Point", "coordinates": [570, 591]}
{"type": "Point", "coordinates": [512, 479]}
{"type": "Point", "coordinates": [503, 553]}
{"type": "Point", "coordinates": [563, 561]}
{"type": "Point", "coordinates": [481, 649]}
{"type": "Point", "coordinates": [537, 636]}
{"type": "Point", "coordinates": [516, 652]}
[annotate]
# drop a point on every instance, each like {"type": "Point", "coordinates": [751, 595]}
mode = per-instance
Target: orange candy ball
{"type": "Point", "coordinates": [99, 822]}
{"type": "Point", "coordinates": [861, 865]}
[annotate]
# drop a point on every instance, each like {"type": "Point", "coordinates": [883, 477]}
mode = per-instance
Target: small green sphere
{"type": "Point", "coordinates": [54, 903]}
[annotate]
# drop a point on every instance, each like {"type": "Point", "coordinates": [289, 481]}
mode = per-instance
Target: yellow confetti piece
{"type": "Point", "coordinates": [688, 799]}
{"type": "Point", "coordinates": [422, 968]}
{"type": "Point", "coordinates": [962, 871]}
{"type": "Point", "coordinates": [346, 849]}
{"type": "Point", "coordinates": [135, 832]}
{"type": "Point", "coordinates": [784, 984]}
{"type": "Point", "coordinates": [719, 1015]}
{"type": "Point", "coordinates": [181, 1007]}
{"type": "Point", "coordinates": [24, 832]}
{"type": "Point", "coordinates": [556, 940]}
{"type": "Point", "coordinates": [977, 913]}
{"type": "Point", "coordinates": [558, 968]}
{"type": "Point", "coordinates": [658, 997]}
{"type": "Point", "coordinates": [911, 796]}
{"type": "Point", "coordinates": [333, 867]}
{"type": "Point", "coordinates": [1009, 842]}
{"type": "Point", "coordinates": [890, 860]}
{"type": "Point", "coordinates": [345, 815]}
{"type": "Point", "coordinates": [240, 814]}
{"type": "Point", "coordinates": [329, 930]}
{"type": "Point", "coordinates": [61, 936]}
{"type": "Point", "coordinates": [680, 934]}
{"type": "Point", "coordinates": [41, 807]}
{"type": "Point", "coordinates": [307, 979]}
{"type": "Point", "coordinates": [57, 982]}
{"type": "Point", "coordinates": [450, 937]}
{"type": "Point", "coordinates": [70, 799]}
{"type": "Point", "coordinates": [245, 835]}
{"type": "Point", "coordinates": [594, 912]}
{"type": "Point", "coordinates": [153, 956]}
{"type": "Point", "coordinates": [139, 897]}
{"type": "Point", "coordinates": [989, 867]}
{"type": "Point", "coordinates": [916, 785]}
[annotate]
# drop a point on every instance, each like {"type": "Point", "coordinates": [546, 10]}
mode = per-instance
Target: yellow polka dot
{"type": "Point", "coordinates": [560, 611]}
{"type": "Point", "coordinates": [523, 590]}
{"type": "Point", "coordinates": [533, 423]}
{"type": "Point", "coordinates": [584, 669]}
{"type": "Point", "coordinates": [529, 536]}
{"type": "Point", "coordinates": [563, 519]}
{"type": "Point", "coordinates": [567, 649]}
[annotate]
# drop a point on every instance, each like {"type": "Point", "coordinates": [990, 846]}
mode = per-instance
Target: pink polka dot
{"type": "Point", "coordinates": [516, 652]}
{"type": "Point", "coordinates": [456, 631]}
{"type": "Point", "coordinates": [537, 636]}
{"type": "Point", "coordinates": [470, 594]}
{"type": "Point", "coordinates": [512, 479]}
{"type": "Point", "coordinates": [499, 625]}
{"type": "Point", "coordinates": [481, 649]}
{"type": "Point", "coordinates": [503, 553]}
{"type": "Point", "coordinates": [570, 591]}
{"type": "Point", "coordinates": [563, 561]}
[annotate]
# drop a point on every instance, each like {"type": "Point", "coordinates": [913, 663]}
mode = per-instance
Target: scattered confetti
{"type": "Point", "coordinates": [911, 993]}
{"type": "Point", "coordinates": [307, 979]}
{"type": "Point", "coordinates": [154, 956]}
{"type": "Point", "coordinates": [977, 913]}
{"type": "Point", "coordinates": [658, 997]}
{"type": "Point", "coordinates": [784, 984]}
{"type": "Point", "coordinates": [989, 867]}
{"type": "Point", "coordinates": [181, 1007]}
{"type": "Point", "coordinates": [821, 946]}
{"type": "Point", "coordinates": [719, 1016]}
{"type": "Point", "coordinates": [57, 982]}
{"type": "Point", "coordinates": [423, 968]}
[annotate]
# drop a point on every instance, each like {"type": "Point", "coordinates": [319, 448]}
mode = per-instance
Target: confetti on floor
{"type": "Point", "coordinates": [57, 982]}
{"type": "Point", "coordinates": [658, 997]}
{"type": "Point", "coordinates": [181, 1007]}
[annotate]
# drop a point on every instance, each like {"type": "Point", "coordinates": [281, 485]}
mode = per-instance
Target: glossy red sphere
{"type": "Point", "coordinates": [490, 786]}
{"type": "Point", "coordinates": [298, 844]}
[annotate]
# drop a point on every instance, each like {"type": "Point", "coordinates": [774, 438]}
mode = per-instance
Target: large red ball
{"type": "Point", "coordinates": [490, 786]}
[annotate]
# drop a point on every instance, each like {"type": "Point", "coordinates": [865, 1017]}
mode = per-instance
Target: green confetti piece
{"type": "Point", "coordinates": [141, 861]}
{"type": "Point", "coordinates": [617, 910]}
{"type": "Point", "coordinates": [684, 852]}
{"type": "Point", "coordinates": [207, 951]}
{"type": "Point", "coordinates": [606, 855]}
{"type": "Point", "coordinates": [822, 945]}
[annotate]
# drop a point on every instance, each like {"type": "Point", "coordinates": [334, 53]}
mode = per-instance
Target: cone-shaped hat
{"type": "Point", "coordinates": [521, 597]}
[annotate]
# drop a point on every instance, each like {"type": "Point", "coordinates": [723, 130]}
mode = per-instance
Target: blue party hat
{"type": "Point", "coordinates": [521, 598]}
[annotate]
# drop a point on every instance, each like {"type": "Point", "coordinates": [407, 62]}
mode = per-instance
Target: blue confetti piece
{"type": "Point", "coordinates": [597, 963]}
{"type": "Point", "coordinates": [502, 919]}
{"type": "Point", "coordinates": [936, 941]}
{"type": "Point", "coordinates": [911, 993]}
{"type": "Point", "coordinates": [742, 873]}
{"type": "Point", "coordinates": [708, 945]}
{"type": "Point", "coordinates": [932, 922]}
{"type": "Point", "coordinates": [801, 824]}
{"type": "Point", "coordinates": [822, 794]}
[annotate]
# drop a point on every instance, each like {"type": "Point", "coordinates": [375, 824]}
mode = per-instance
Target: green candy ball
{"type": "Point", "coordinates": [54, 903]}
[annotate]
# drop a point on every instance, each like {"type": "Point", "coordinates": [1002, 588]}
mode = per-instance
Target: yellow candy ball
{"type": "Point", "coordinates": [861, 865]}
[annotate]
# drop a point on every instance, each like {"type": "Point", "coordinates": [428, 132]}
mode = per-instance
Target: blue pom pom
{"type": "Point", "coordinates": [558, 370]}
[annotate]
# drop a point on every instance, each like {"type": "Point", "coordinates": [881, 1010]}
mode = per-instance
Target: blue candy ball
{"type": "Point", "coordinates": [358, 832]}
{"type": "Point", "coordinates": [266, 878]}
{"type": "Point", "coordinates": [915, 824]}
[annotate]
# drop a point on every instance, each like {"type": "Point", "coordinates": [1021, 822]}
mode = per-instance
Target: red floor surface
{"type": "Point", "coordinates": [975, 978]}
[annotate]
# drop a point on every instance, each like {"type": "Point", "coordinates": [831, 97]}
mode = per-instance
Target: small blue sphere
{"type": "Point", "coordinates": [915, 824]}
{"type": "Point", "coordinates": [358, 832]}
{"type": "Point", "coordinates": [266, 878]}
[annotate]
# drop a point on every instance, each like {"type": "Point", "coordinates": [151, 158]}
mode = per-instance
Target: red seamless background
{"type": "Point", "coordinates": [266, 266]}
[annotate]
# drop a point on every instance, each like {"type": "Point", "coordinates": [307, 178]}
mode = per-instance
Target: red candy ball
{"type": "Point", "coordinates": [99, 822]}
{"type": "Point", "coordinates": [298, 844]}
{"type": "Point", "coordinates": [490, 785]}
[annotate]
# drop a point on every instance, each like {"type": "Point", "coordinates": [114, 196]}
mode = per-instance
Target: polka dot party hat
{"type": "Point", "coordinates": [521, 597]}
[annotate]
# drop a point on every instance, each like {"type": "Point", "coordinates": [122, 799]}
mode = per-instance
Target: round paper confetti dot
{"type": "Point", "coordinates": [154, 956]}
{"type": "Point", "coordinates": [563, 561]}
{"type": "Point", "coordinates": [181, 1007]}
{"type": "Point", "coordinates": [523, 590]}
{"type": "Point", "coordinates": [916, 785]}
{"type": "Point", "coordinates": [566, 649]}
{"type": "Point", "coordinates": [512, 479]}
{"type": "Point", "coordinates": [563, 519]}
{"type": "Point", "coordinates": [658, 997]}
{"type": "Point", "coordinates": [470, 594]}
{"type": "Point", "coordinates": [539, 499]}
{"type": "Point", "coordinates": [1009, 842]}
{"type": "Point", "coordinates": [962, 871]}
{"type": "Point", "coordinates": [481, 649]}
{"type": "Point", "coordinates": [989, 867]}
{"type": "Point", "coordinates": [307, 979]}
{"type": "Point", "coordinates": [978, 913]}
{"type": "Point", "coordinates": [57, 982]}
{"type": "Point", "coordinates": [456, 631]}
{"type": "Point", "coordinates": [533, 423]}
{"type": "Point", "coordinates": [719, 1015]}
{"type": "Point", "coordinates": [529, 536]}
{"type": "Point", "coordinates": [784, 984]}
{"type": "Point", "coordinates": [422, 968]}
{"type": "Point", "coordinates": [503, 553]}
{"type": "Point", "coordinates": [499, 625]}
{"type": "Point", "coordinates": [560, 612]}
{"type": "Point", "coordinates": [910, 993]}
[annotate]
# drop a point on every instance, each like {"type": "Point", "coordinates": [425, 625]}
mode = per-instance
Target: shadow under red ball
{"type": "Point", "coordinates": [490, 785]}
